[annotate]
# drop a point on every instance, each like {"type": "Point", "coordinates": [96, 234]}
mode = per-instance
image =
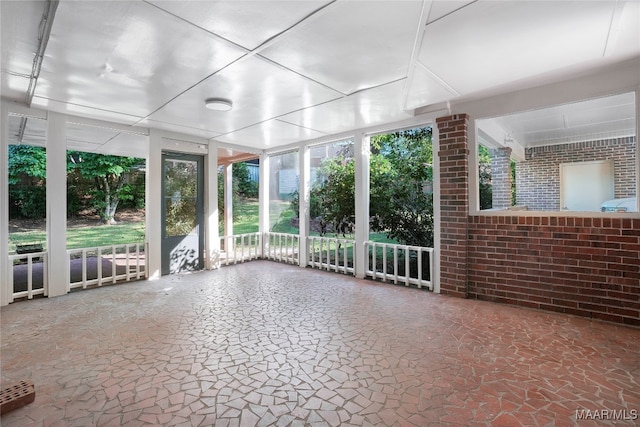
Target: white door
{"type": "Point", "coordinates": [585, 185]}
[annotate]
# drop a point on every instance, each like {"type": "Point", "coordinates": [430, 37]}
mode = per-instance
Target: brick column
{"type": "Point", "coordinates": [501, 177]}
{"type": "Point", "coordinates": [453, 157]}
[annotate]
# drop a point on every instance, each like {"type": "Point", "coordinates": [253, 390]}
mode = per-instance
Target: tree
{"type": "Point", "coordinates": [242, 178]}
{"type": "Point", "coordinates": [108, 174]}
{"type": "Point", "coordinates": [27, 175]}
{"type": "Point", "coordinates": [401, 204]}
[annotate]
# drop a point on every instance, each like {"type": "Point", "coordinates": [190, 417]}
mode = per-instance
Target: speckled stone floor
{"type": "Point", "coordinates": [267, 344]}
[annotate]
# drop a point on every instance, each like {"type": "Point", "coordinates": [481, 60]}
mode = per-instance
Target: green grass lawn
{"type": "Point", "coordinates": [86, 237]}
{"type": "Point", "coordinates": [134, 232]}
{"type": "Point", "coordinates": [246, 213]}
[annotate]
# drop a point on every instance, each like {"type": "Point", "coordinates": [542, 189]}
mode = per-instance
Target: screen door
{"type": "Point", "coordinates": [182, 213]}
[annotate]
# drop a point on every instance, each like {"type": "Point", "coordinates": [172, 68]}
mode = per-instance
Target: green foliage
{"type": "Point", "coordinates": [27, 161]}
{"type": "Point", "coordinates": [30, 202]}
{"type": "Point", "coordinates": [400, 205]}
{"type": "Point", "coordinates": [242, 179]}
{"type": "Point", "coordinates": [97, 178]}
{"type": "Point", "coordinates": [409, 152]}
{"type": "Point", "coordinates": [27, 170]}
{"type": "Point", "coordinates": [484, 178]}
{"type": "Point", "coordinates": [334, 198]}
{"type": "Point", "coordinates": [134, 193]}
{"type": "Point", "coordinates": [181, 191]}
{"type": "Point", "coordinates": [108, 175]}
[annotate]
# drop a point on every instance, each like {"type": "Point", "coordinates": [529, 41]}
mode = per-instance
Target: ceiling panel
{"type": "Point", "coordinates": [424, 87]}
{"type": "Point", "coordinates": [125, 144]}
{"type": "Point", "coordinates": [35, 131]}
{"type": "Point", "coordinates": [270, 134]}
{"type": "Point", "coordinates": [380, 37]}
{"type": "Point", "coordinates": [247, 23]}
{"type": "Point", "coordinates": [439, 9]}
{"type": "Point", "coordinates": [80, 110]}
{"type": "Point", "coordinates": [624, 38]}
{"type": "Point", "coordinates": [499, 44]}
{"type": "Point", "coordinates": [274, 93]}
{"type": "Point", "coordinates": [612, 116]}
{"type": "Point", "coordinates": [171, 127]}
{"type": "Point", "coordinates": [128, 57]}
{"type": "Point", "coordinates": [77, 133]}
{"type": "Point", "coordinates": [367, 108]}
{"type": "Point", "coordinates": [19, 24]}
{"type": "Point", "coordinates": [13, 87]}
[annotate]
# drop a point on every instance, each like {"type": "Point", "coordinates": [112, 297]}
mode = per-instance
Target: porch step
{"type": "Point", "coordinates": [16, 396]}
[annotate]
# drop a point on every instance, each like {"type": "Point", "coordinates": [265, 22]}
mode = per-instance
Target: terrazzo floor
{"type": "Point", "coordinates": [267, 344]}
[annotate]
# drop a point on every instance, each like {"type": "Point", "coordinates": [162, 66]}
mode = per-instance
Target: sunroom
{"type": "Point", "coordinates": [201, 85]}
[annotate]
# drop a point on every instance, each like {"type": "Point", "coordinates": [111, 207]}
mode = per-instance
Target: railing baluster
{"type": "Point", "coordinates": [113, 264]}
{"type": "Point", "coordinates": [128, 270]}
{"type": "Point", "coordinates": [99, 266]}
{"type": "Point", "coordinates": [84, 268]}
{"type": "Point", "coordinates": [374, 261]}
{"type": "Point", "coordinates": [395, 264]}
{"type": "Point", "coordinates": [407, 274]}
{"type": "Point", "coordinates": [419, 251]}
{"type": "Point", "coordinates": [45, 276]}
{"type": "Point", "coordinates": [346, 257]}
{"type": "Point", "coordinates": [137, 260]}
{"type": "Point", "coordinates": [384, 262]}
{"type": "Point", "coordinates": [29, 276]}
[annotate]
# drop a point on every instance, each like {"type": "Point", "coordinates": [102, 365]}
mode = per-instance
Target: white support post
{"type": "Point", "coordinates": [304, 205]}
{"type": "Point", "coordinates": [212, 236]}
{"type": "Point", "coordinates": [435, 273]}
{"type": "Point", "coordinates": [263, 226]}
{"type": "Point", "coordinates": [228, 200]}
{"type": "Point", "coordinates": [362, 155]}
{"type": "Point", "coordinates": [58, 272]}
{"type": "Point", "coordinates": [6, 267]}
{"type": "Point", "coordinates": [154, 176]}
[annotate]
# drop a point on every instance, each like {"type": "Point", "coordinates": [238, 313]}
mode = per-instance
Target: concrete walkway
{"type": "Point", "coordinates": [264, 344]}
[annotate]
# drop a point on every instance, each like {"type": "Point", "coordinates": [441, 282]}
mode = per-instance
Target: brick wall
{"type": "Point", "coordinates": [538, 178]}
{"type": "Point", "coordinates": [501, 177]}
{"type": "Point", "coordinates": [453, 153]}
{"type": "Point", "coordinates": [584, 266]}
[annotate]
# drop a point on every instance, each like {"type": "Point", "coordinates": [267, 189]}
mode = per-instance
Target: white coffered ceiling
{"type": "Point", "coordinates": [294, 70]}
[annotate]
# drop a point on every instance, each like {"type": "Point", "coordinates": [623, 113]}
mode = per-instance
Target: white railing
{"type": "Point", "coordinates": [35, 275]}
{"type": "Point", "coordinates": [106, 264]}
{"type": "Point", "coordinates": [240, 247]}
{"type": "Point", "coordinates": [282, 247]}
{"type": "Point", "coordinates": [384, 263]}
{"type": "Point", "coordinates": [331, 254]}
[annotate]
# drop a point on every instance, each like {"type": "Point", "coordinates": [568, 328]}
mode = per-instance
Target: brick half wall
{"type": "Point", "coordinates": [584, 266]}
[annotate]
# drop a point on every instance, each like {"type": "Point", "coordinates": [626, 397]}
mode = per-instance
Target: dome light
{"type": "Point", "coordinates": [218, 104]}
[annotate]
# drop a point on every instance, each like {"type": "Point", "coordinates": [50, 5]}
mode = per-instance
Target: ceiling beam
{"type": "Point", "coordinates": [44, 31]}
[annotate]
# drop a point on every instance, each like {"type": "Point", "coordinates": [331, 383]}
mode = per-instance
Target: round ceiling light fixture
{"type": "Point", "coordinates": [218, 104]}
